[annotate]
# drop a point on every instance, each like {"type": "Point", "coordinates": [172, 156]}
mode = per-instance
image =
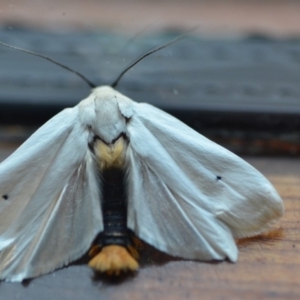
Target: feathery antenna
{"type": "Point", "coordinates": [92, 85]}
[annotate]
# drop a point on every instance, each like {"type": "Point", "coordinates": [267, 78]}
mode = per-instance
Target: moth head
{"type": "Point", "coordinates": [106, 93]}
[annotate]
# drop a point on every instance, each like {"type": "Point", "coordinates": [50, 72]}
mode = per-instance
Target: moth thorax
{"type": "Point", "coordinates": [110, 155]}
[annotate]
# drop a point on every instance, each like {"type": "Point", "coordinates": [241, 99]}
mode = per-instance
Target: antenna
{"type": "Point", "coordinates": [91, 84]}
{"type": "Point", "coordinates": [116, 81]}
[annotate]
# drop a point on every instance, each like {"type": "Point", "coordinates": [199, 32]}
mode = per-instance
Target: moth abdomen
{"type": "Point", "coordinates": [114, 207]}
{"type": "Point", "coordinates": [114, 242]}
{"type": "Point", "coordinates": [112, 173]}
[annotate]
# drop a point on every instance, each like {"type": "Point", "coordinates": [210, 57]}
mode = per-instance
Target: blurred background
{"type": "Point", "coordinates": [277, 18]}
{"type": "Point", "coordinates": [235, 78]}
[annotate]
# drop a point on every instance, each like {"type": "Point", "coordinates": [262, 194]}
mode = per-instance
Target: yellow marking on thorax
{"type": "Point", "coordinates": [110, 155]}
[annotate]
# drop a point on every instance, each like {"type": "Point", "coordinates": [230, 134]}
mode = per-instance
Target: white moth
{"type": "Point", "coordinates": [186, 195]}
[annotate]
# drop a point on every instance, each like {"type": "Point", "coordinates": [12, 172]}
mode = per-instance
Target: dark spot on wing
{"type": "Point", "coordinates": [219, 178]}
{"type": "Point", "coordinates": [5, 197]}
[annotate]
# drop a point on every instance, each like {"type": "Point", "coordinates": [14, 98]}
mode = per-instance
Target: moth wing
{"type": "Point", "coordinates": [189, 196]}
{"type": "Point", "coordinates": [49, 202]}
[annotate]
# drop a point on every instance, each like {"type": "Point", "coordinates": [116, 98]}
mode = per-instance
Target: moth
{"type": "Point", "coordinates": [99, 174]}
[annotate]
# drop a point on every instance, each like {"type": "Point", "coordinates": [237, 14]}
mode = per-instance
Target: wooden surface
{"type": "Point", "coordinates": [268, 268]}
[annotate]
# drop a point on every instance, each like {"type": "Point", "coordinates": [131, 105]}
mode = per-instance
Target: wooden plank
{"type": "Point", "coordinates": [268, 268]}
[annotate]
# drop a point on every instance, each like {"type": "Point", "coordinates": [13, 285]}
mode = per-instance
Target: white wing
{"type": "Point", "coordinates": [188, 196]}
{"type": "Point", "coordinates": [49, 201]}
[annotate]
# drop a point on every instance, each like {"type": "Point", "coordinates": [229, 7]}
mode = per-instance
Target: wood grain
{"type": "Point", "coordinates": [268, 268]}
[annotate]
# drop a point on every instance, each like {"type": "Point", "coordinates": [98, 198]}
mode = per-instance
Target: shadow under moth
{"type": "Point", "coordinates": [98, 174]}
